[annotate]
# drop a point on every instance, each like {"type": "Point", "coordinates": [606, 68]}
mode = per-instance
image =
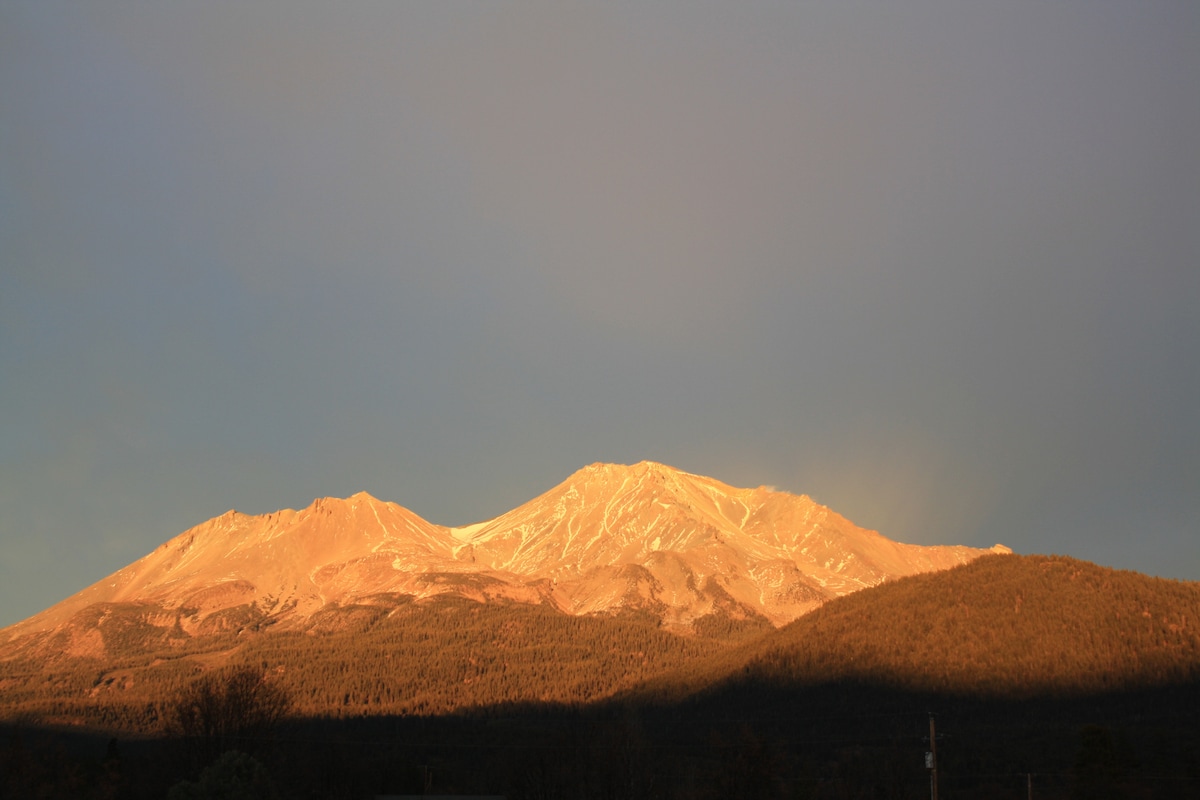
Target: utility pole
{"type": "Point", "coordinates": [933, 767]}
{"type": "Point", "coordinates": [1029, 785]}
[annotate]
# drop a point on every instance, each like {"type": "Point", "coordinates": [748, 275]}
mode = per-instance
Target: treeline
{"type": "Point", "coordinates": [432, 658]}
{"type": "Point", "coordinates": [392, 656]}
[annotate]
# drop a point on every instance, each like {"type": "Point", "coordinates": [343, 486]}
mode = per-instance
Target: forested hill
{"type": "Point", "coordinates": [1001, 626]}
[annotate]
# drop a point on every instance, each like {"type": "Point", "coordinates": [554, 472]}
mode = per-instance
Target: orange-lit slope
{"type": "Point", "coordinates": [289, 562]}
{"type": "Point", "coordinates": [611, 537]}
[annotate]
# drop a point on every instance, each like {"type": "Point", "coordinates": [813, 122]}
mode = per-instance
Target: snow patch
{"type": "Point", "coordinates": [382, 527]}
{"type": "Point", "coordinates": [465, 533]}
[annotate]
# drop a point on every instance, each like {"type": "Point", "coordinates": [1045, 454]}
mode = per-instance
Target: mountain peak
{"type": "Point", "coordinates": [643, 476]}
{"type": "Point", "coordinates": [638, 468]}
{"type": "Point", "coordinates": [327, 501]}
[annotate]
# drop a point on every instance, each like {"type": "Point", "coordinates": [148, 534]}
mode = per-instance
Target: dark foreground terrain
{"type": "Point", "coordinates": [749, 740]}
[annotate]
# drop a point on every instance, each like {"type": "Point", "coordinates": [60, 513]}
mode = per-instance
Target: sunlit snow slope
{"type": "Point", "coordinates": [610, 538]}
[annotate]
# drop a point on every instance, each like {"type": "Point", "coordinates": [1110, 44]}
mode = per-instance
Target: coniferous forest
{"type": "Point", "coordinates": [1040, 676]}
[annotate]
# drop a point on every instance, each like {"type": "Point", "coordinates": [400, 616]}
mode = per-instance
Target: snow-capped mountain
{"type": "Point", "coordinates": [610, 538]}
{"type": "Point", "coordinates": [684, 545]}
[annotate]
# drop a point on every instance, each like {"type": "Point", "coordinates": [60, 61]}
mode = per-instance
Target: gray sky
{"type": "Point", "coordinates": [936, 265]}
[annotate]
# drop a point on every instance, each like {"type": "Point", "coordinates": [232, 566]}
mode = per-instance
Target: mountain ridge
{"type": "Point", "coordinates": [608, 539]}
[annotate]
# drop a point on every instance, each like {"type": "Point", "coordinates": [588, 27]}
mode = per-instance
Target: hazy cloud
{"type": "Point", "coordinates": [934, 265]}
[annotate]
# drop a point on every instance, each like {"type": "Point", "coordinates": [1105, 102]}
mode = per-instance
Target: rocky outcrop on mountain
{"type": "Point", "coordinates": [645, 538]}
